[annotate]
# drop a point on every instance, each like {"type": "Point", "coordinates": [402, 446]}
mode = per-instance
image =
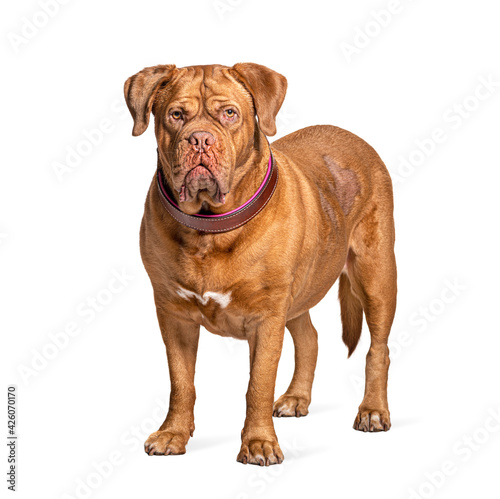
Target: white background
{"type": "Point", "coordinates": [62, 238]}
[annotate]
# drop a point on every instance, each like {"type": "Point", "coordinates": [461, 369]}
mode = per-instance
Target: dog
{"type": "Point", "coordinates": [244, 238]}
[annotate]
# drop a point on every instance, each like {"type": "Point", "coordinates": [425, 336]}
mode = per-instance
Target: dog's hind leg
{"type": "Point", "coordinates": [295, 401]}
{"type": "Point", "coordinates": [371, 268]}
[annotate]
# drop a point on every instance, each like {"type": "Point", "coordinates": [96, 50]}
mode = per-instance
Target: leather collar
{"type": "Point", "coordinates": [226, 221]}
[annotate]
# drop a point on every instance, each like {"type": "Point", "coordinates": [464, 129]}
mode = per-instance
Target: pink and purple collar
{"type": "Point", "coordinates": [225, 221]}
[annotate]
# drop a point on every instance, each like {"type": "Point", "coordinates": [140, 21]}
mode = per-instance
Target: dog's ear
{"type": "Point", "coordinates": [140, 91]}
{"type": "Point", "coordinates": [268, 89]}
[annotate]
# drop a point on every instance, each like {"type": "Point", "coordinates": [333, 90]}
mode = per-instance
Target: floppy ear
{"type": "Point", "coordinates": [268, 89]}
{"type": "Point", "coordinates": [140, 91]}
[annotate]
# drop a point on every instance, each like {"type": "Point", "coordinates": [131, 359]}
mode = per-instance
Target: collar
{"type": "Point", "coordinates": [225, 221]}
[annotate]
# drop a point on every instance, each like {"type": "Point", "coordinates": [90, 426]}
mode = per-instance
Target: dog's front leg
{"type": "Point", "coordinates": [259, 443]}
{"type": "Point", "coordinates": [181, 342]}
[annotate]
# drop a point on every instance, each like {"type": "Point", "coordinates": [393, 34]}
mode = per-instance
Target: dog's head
{"type": "Point", "coordinates": [205, 122]}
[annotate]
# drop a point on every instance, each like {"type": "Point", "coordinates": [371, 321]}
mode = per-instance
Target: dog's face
{"type": "Point", "coordinates": [205, 123]}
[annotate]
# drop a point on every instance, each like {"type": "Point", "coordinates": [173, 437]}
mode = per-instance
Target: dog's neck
{"type": "Point", "coordinates": [248, 175]}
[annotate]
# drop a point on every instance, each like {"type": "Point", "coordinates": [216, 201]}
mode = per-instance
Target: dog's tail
{"type": "Point", "coordinates": [351, 312]}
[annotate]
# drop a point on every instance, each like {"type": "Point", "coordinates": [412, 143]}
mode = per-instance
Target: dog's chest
{"type": "Point", "coordinates": [220, 292]}
{"type": "Point", "coordinates": [219, 299]}
{"type": "Point", "coordinates": [220, 312]}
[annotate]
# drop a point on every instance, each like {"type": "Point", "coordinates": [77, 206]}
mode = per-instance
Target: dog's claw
{"type": "Point", "coordinates": [260, 452]}
{"type": "Point", "coordinates": [291, 406]}
{"type": "Point", "coordinates": [165, 443]}
{"type": "Point", "coordinates": [372, 421]}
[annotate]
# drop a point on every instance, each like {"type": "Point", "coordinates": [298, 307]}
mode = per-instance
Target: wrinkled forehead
{"type": "Point", "coordinates": [204, 85]}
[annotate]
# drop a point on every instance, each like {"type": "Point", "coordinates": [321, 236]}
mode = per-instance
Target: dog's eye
{"type": "Point", "coordinates": [176, 115]}
{"type": "Point", "coordinates": [230, 113]}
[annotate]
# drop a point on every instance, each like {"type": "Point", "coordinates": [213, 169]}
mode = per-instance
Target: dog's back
{"type": "Point", "coordinates": [336, 160]}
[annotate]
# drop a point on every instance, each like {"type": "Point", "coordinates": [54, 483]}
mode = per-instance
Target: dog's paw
{"type": "Point", "coordinates": [261, 452]}
{"type": "Point", "coordinates": [289, 405]}
{"type": "Point", "coordinates": [165, 443]}
{"type": "Point", "coordinates": [372, 420]}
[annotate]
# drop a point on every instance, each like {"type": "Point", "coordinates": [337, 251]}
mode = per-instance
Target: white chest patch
{"type": "Point", "coordinates": [223, 299]}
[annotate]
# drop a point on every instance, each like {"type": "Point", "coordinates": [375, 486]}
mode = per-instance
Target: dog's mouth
{"type": "Point", "coordinates": [200, 179]}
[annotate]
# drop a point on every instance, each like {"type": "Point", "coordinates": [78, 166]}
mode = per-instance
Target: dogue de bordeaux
{"type": "Point", "coordinates": [243, 238]}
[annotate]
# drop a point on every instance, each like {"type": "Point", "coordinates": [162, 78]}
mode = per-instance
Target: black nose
{"type": "Point", "coordinates": [201, 140]}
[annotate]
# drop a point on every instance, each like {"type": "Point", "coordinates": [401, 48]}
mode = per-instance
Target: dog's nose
{"type": "Point", "coordinates": [201, 140]}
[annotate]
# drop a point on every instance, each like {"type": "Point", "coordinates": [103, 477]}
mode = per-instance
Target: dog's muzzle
{"type": "Point", "coordinates": [200, 178]}
{"type": "Point", "coordinates": [204, 172]}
